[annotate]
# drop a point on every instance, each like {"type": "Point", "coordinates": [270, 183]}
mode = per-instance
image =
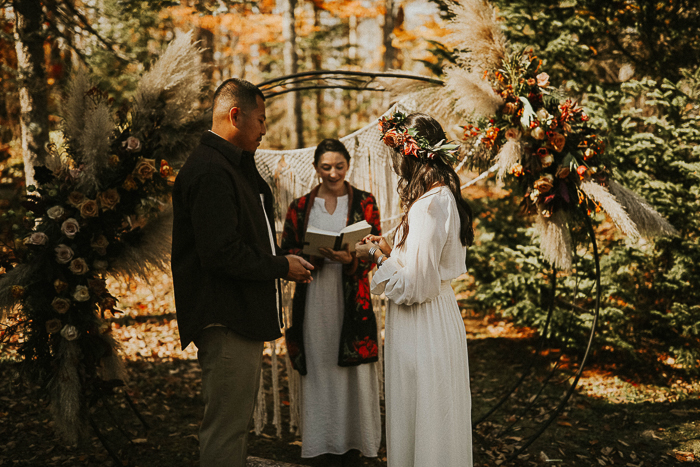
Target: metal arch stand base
{"type": "Point", "coordinates": [570, 392]}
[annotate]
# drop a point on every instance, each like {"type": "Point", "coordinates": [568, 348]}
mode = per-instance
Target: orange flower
{"type": "Point", "coordinates": [557, 140]}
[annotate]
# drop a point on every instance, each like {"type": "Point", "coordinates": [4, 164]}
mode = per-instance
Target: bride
{"type": "Point", "coordinates": [428, 403]}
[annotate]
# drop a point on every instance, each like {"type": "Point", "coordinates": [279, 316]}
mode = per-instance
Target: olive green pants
{"type": "Point", "coordinates": [231, 366]}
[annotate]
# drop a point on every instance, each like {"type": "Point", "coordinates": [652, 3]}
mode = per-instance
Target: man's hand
{"type": "Point", "coordinates": [299, 269]}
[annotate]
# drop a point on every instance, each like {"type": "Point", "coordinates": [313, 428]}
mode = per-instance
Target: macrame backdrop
{"type": "Point", "coordinates": [291, 174]}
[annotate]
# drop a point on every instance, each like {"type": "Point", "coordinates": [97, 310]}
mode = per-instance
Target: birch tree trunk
{"type": "Point", "coordinates": [295, 122]}
{"type": "Point", "coordinates": [34, 114]}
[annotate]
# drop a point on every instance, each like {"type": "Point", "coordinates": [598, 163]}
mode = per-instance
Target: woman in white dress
{"type": "Point", "coordinates": [428, 403]}
{"type": "Point", "coordinates": [333, 338]}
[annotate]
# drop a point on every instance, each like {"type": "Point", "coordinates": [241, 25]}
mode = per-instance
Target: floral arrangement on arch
{"type": "Point", "coordinates": [523, 127]}
{"type": "Point", "coordinates": [101, 206]}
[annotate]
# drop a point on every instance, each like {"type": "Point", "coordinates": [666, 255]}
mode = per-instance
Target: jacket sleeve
{"type": "Point", "coordinates": [220, 247]}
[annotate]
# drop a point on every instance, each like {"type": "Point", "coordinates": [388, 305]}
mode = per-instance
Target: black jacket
{"type": "Point", "coordinates": [222, 263]}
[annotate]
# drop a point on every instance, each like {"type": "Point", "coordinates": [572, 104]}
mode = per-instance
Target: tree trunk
{"type": "Point", "coordinates": [317, 60]}
{"type": "Point", "coordinates": [34, 114]}
{"type": "Point", "coordinates": [295, 122]}
{"type": "Point", "coordinates": [388, 34]}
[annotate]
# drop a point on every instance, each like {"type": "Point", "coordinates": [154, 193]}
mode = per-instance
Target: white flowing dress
{"type": "Point", "coordinates": [428, 403]}
{"type": "Point", "coordinates": [340, 405]}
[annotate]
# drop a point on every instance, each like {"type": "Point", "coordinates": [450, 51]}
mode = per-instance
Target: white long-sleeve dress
{"type": "Point", "coordinates": [428, 403]}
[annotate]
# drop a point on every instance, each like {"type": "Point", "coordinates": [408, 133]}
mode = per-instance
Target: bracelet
{"type": "Point", "coordinates": [381, 260]}
{"type": "Point", "coordinates": [372, 250]}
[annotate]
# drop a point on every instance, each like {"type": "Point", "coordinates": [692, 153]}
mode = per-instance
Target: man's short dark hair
{"type": "Point", "coordinates": [236, 92]}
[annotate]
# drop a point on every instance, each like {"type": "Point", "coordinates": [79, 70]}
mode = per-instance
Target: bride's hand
{"type": "Point", "coordinates": [380, 242]}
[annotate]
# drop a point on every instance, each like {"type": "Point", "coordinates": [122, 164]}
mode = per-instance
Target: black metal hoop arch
{"type": "Point", "coordinates": [339, 79]}
{"type": "Point", "coordinates": [361, 81]}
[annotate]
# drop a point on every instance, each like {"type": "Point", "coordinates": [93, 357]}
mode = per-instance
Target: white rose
{"type": "Point", "coordinates": [538, 133]}
{"type": "Point", "coordinates": [70, 227]}
{"type": "Point", "coordinates": [36, 238]}
{"type": "Point", "coordinates": [81, 294]}
{"type": "Point", "coordinates": [56, 212]}
{"type": "Point", "coordinates": [542, 114]}
{"type": "Point", "coordinates": [547, 160]}
{"type": "Point", "coordinates": [132, 144]}
{"type": "Point", "coordinates": [63, 254]}
{"type": "Point", "coordinates": [69, 332]}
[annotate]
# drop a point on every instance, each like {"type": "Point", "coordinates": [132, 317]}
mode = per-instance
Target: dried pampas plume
{"type": "Point", "coordinates": [473, 96]}
{"type": "Point", "coordinates": [475, 30]}
{"type": "Point", "coordinates": [66, 405]}
{"type": "Point", "coordinates": [509, 155]}
{"type": "Point", "coordinates": [555, 240]}
{"type": "Point", "coordinates": [153, 251]}
{"type": "Point", "coordinates": [74, 107]}
{"type": "Point", "coordinates": [175, 78]}
{"type": "Point", "coordinates": [609, 204]}
{"type": "Point", "coordinates": [649, 222]}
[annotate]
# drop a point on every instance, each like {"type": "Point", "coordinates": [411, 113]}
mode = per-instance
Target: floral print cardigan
{"type": "Point", "coordinates": [358, 337]}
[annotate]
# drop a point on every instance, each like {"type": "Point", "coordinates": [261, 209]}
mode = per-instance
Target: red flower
{"type": "Point", "coordinates": [410, 148]}
{"type": "Point", "coordinates": [366, 347]}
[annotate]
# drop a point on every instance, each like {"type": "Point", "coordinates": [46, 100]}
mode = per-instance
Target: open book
{"type": "Point", "coordinates": [350, 235]}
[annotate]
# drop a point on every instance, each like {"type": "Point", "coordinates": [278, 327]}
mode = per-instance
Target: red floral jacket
{"type": "Point", "coordinates": [358, 337]}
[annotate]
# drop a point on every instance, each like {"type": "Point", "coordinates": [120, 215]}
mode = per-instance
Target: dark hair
{"type": "Point", "coordinates": [236, 92]}
{"type": "Point", "coordinates": [418, 175]}
{"type": "Point", "coordinates": [330, 145]}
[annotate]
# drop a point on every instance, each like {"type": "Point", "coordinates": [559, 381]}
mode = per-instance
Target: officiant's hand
{"type": "Point", "coordinates": [299, 269]}
{"type": "Point", "coordinates": [341, 256]}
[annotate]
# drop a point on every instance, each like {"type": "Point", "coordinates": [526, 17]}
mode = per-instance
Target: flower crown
{"type": "Point", "coordinates": [397, 136]}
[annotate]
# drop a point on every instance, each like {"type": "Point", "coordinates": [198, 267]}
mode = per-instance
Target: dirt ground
{"type": "Point", "coordinates": [620, 414]}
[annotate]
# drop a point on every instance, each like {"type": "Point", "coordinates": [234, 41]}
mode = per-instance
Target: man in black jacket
{"type": "Point", "coordinates": [226, 268]}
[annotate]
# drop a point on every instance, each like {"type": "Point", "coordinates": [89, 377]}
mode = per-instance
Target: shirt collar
{"type": "Point", "coordinates": [233, 153]}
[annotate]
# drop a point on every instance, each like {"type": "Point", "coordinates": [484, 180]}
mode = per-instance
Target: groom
{"type": "Point", "coordinates": [226, 268]}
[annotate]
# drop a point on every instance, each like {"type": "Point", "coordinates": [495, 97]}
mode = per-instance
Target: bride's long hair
{"type": "Point", "coordinates": [418, 176]}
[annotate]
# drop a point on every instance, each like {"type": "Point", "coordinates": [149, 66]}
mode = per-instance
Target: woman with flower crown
{"type": "Point", "coordinates": [332, 342]}
{"type": "Point", "coordinates": [428, 404]}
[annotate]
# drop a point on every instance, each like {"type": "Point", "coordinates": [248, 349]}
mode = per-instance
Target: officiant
{"type": "Point", "coordinates": [332, 342]}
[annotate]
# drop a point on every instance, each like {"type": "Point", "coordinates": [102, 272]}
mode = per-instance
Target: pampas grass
{"type": "Point", "coordinates": [74, 105]}
{"type": "Point", "coordinates": [649, 222]}
{"type": "Point", "coordinates": [555, 239]}
{"type": "Point", "coordinates": [473, 95]}
{"type": "Point", "coordinates": [475, 30]}
{"type": "Point", "coordinates": [112, 366]}
{"type": "Point", "coordinates": [94, 142]}
{"type": "Point", "coordinates": [65, 388]}
{"type": "Point", "coordinates": [175, 78]}
{"type": "Point", "coordinates": [509, 155]}
{"type": "Point", "coordinates": [611, 206]}
{"type": "Point", "coordinates": [152, 252]}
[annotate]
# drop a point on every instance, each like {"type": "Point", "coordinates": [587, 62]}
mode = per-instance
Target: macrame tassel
{"type": "Point", "coordinates": [260, 414]}
{"type": "Point", "coordinates": [294, 398]}
{"type": "Point", "coordinates": [277, 416]}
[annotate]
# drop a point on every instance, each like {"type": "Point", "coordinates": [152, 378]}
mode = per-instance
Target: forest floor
{"type": "Point", "coordinates": [620, 414]}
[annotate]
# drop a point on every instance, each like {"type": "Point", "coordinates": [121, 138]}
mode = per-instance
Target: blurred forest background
{"type": "Point", "coordinates": [633, 65]}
